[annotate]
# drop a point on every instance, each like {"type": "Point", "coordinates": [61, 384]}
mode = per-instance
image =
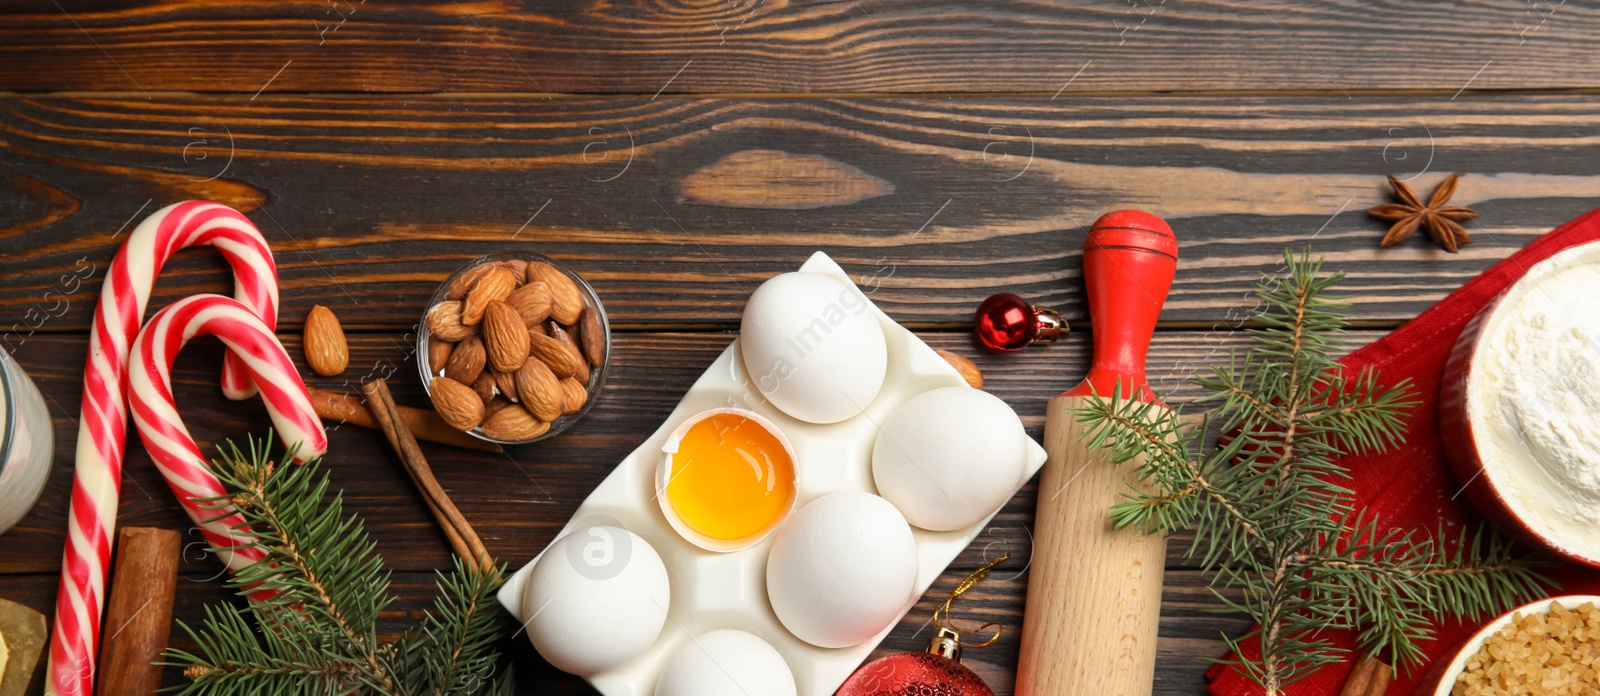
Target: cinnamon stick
{"type": "Point", "coordinates": [139, 617]}
{"type": "Point", "coordinates": [1370, 677]}
{"type": "Point", "coordinates": [462, 538]}
{"type": "Point", "coordinates": [423, 423]}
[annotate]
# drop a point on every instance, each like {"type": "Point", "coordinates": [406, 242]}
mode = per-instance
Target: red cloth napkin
{"type": "Point", "coordinates": [1411, 486]}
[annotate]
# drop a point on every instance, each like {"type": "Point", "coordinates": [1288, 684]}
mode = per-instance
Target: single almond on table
{"type": "Point", "coordinates": [532, 302]}
{"type": "Point", "coordinates": [540, 390]}
{"type": "Point", "coordinates": [444, 321]}
{"type": "Point", "coordinates": [505, 336]}
{"type": "Point", "coordinates": [485, 387]}
{"type": "Point", "coordinates": [576, 395]}
{"type": "Point", "coordinates": [494, 286]}
{"type": "Point", "coordinates": [438, 354]}
{"type": "Point", "coordinates": [591, 336]}
{"type": "Point", "coordinates": [326, 350]}
{"type": "Point", "coordinates": [968, 369]}
{"type": "Point", "coordinates": [464, 283]}
{"type": "Point", "coordinates": [562, 360]}
{"type": "Point", "coordinates": [506, 382]}
{"type": "Point", "coordinates": [466, 361]}
{"type": "Point", "coordinates": [580, 369]}
{"type": "Point", "coordinates": [456, 403]}
{"type": "Point", "coordinates": [567, 303]}
{"type": "Point", "coordinates": [514, 424]}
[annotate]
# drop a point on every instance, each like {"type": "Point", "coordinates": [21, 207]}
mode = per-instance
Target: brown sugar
{"type": "Point", "coordinates": [1538, 653]}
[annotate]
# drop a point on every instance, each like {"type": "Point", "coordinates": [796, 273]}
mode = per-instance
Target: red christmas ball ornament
{"type": "Point", "coordinates": [1006, 322]}
{"type": "Point", "coordinates": [937, 672]}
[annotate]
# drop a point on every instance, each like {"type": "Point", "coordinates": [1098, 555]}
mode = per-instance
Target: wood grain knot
{"type": "Point", "coordinates": [777, 180]}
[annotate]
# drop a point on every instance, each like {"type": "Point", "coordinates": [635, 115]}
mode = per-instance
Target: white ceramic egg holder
{"type": "Point", "coordinates": [728, 590]}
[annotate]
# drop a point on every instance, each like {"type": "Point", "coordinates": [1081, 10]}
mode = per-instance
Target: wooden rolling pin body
{"type": "Point", "coordinates": [1092, 588]}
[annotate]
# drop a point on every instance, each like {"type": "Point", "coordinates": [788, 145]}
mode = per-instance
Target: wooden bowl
{"type": "Point", "coordinates": [1440, 681]}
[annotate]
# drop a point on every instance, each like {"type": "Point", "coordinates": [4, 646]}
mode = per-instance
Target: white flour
{"type": "Point", "coordinates": [1536, 382]}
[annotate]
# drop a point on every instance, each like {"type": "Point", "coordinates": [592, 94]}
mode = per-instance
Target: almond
{"type": "Point", "coordinates": [506, 382]}
{"type": "Point", "coordinates": [580, 369]}
{"type": "Point", "coordinates": [518, 268]}
{"type": "Point", "coordinates": [576, 395]}
{"type": "Point", "coordinates": [444, 321]}
{"type": "Point", "coordinates": [485, 388]}
{"type": "Point", "coordinates": [494, 286]}
{"type": "Point", "coordinates": [326, 350]}
{"type": "Point", "coordinates": [466, 361]}
{"type": "Point", "coordinates": [495, 405]}
{"type": "Point", "coordinates": [968, 369]}
{"type": "Point", "coordinates": [538, 329]}
{"type": "Point", "coordinates": [567, 302]}
{"type": "Point", "coordinates": [456, 403]}
{"type": "Point", "coordinates": [592, 336]}
{"type": "Point", "coordinates": [438, 354]}
{"type": "Point", "coordinates": [562, 361]}
{"type": "Point", "coordinates": [514, 424]}
{"type": "Point", "coordinates": [505, 336]}
{"type": "Point", "coordinates": [532, 302]}
{"type": "Point", "coordinates": [463, 283]}
{"type": "Point", "coordinates": [540, 390]}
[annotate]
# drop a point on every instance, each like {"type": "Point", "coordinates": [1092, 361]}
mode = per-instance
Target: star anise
{"type": "Point", "coordinates": [1442, 222]}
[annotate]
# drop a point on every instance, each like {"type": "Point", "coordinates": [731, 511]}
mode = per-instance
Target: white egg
{"type": "Point", "coordinates": [596, 600]}
{"type": "Point", "coordinates": [948, 458]}
{"type": "Point", "coordinates": [842, 569]}
{"type": "Point", "coordinates": [726, 663]}
{"type": "Point", "coordinates": [813, 346]}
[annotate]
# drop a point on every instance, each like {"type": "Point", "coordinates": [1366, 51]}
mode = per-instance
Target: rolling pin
{"type": "Point", "coordinates": [1094, 592]}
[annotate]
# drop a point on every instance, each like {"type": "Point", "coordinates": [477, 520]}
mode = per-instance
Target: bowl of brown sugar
{"type": "Point", "coordinates": [1549, 647]}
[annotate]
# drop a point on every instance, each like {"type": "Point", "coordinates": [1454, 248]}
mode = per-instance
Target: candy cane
{"type": "Point", "coordinates": [98, 477]}
{"type": "Point", "coordinates": [163, 432]}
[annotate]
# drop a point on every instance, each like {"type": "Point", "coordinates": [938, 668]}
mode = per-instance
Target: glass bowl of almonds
{"type": "Point", "coordinates": [513, 348]}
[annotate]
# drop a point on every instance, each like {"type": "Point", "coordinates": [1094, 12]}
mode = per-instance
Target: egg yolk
{"type": "Point", "coordinates": [731, 478]}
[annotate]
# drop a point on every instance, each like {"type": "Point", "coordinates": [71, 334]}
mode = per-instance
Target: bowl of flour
{"type": "Point", "coordinates": [1520, 405]}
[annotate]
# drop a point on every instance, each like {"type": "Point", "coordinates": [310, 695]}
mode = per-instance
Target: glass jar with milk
{"type": "Point", "coordinates": [26, 442]}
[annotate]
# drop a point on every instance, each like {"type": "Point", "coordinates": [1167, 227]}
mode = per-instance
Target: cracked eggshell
{"type": "Point", "coordinates": [726, 662]}
{"type": "Point", "coordinates": [813, 347]}
{"type": "Point", "coordinates": [598, 599]}
{"type": "Point", "coordinates": [842, 569]}
{"type": "Point", "coordinates": [949, 457]}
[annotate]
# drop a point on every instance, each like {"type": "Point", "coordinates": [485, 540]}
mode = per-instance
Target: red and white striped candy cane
{"type": "Point", "coordinates": [97, 482]}
{"type": "Point", "coordinates": [168, 441]}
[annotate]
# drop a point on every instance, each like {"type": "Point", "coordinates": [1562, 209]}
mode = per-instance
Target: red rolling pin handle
{"type": "Point", "coordinates": [1128, 263]}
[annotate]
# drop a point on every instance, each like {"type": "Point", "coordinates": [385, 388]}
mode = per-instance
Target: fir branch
{"type": "Point", "coordinates": [1282, 540]}
{"type": "Point", "coordinates": [317, 594]}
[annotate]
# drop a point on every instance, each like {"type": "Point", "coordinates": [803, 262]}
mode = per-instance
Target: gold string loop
{"type": "Point", "coordinates": [976, 577]}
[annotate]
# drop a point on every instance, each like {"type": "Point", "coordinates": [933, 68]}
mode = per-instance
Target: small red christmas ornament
{"type": "Point", "coordinates": [1006, 322]}
{"type": "Point", "coordinates": [937, 672]}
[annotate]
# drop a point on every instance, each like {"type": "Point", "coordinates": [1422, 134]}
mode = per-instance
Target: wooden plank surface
{"type": "Point", "coordinates": [550, 47]}
{"type": "Point", "coordinates": [677, 154]}
{"type": "Point", "coordinates": [519, 502]}
{"type": "Point", "coordinates": [675, 209]}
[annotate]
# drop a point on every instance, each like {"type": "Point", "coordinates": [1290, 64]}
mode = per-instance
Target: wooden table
{"type": "Point", "coordinates": [677, 154]}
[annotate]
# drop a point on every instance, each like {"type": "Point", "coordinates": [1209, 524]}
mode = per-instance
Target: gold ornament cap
{"type": "Point", "coordinates": [946, 643]}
